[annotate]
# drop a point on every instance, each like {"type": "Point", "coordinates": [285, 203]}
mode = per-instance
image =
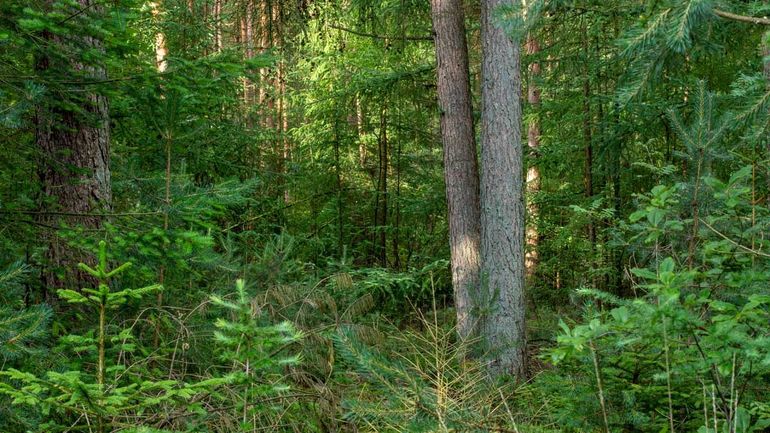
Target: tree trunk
{"type": "Point", "coordinates": [588, 168]}
{"type": "Point", "coordinates": [766, 72]}
{"type": "Point", "coordinates": [381, 200]}
{"type": "Point", "coordinates": [461, 173]}
{"type": "Point", "coordinates": [361, 132]}
{"type": "Point", "coordinates": [533, 171]}
{"type": "Point", "coordinates": [502, 196]}
{"type": "Point", "coordinates": [218, 26]}
{"type": "Point", "coordinates": [75, 164]}
{"type": "Point", "coordinates": [161, 50]}
{"type": "Point", "coordinates": [248, 41]}
{"type": "Point", "coordinates": [396, 238]}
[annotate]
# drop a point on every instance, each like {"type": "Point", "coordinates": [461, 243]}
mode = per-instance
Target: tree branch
{"type": "Point", "coordinates": [742, 18]}
{"type": "Point", "coordinates": [372, 35]}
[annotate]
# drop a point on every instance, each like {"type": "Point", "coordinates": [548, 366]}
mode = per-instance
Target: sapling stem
{"type": "Point", "coordinates": [600, 386]}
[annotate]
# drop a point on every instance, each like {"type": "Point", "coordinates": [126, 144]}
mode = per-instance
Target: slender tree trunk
{"type": "Point", "coordinates": [766, 72]}
{"type": "Point", "coordinates": [248, 42]}
{"type": "Point", "coordinates": [266, 100]}
{"type": "Point", "coordinates": [502, 195]}
{"type": "Point", "coordinates": [283, 148]}
{"type": "Point", "coordinates": [588, 168]}
{"type": "Point", "coordinates": [161, 49]}
{"type": "Point", "coordinates": [533, 171]}
{"type": "Point", "coordinates": [74, 168]}
{"type": "Point", "coordinates": [161, 52]}
{"type": "Point", "coordinates": [264, 22]}
{"type": "Point", "coordinates": [218, 25]}
{"type": "Point", "coordinates": [461, 173]}
{"type": "Point", "coordinates": [397, 212]}
{"type": "Point", "coordinates": [360, 129]}
{"type": "Point", "coordinates": [381, 202]}
{"type": "Point", "coordinates": [340, 201]}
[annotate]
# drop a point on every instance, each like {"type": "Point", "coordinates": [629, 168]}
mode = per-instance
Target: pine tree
{"type": "Point", "coordinates": [502, 196]}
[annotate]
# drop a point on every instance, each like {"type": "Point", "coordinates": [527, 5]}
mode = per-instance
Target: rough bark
{"type": "Point", "coordinates": [461, 173]}
{"type": "Point", "coordinates": [502, 196]}
{"type": "Point", "coordinates": [74, 169]}
{"type": "Point", "coordinates": [533, 171]}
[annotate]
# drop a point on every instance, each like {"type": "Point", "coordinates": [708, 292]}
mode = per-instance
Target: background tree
{"type": "Point", "coordinates": [72, 134]}
{"type": "Point", "coordinates": [461, 174]}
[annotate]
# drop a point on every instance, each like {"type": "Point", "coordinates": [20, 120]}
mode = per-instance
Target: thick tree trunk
{"type": "Point", "coordinates": [502, 196]}
{"type": "Point", "coordinates": [533, 171]}
{"type": "Point", "coordinates": [75, 165]}
{"type": "Point", "coordinates": [461, 173]}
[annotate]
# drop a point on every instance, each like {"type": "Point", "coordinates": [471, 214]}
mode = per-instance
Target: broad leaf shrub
{"type": "Point", "coordinates": [691, 351]}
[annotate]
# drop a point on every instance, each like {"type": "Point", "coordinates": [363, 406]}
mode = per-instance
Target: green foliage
{"type": "Point", "coordinates": [21, 329]}
{"type": "Point", "coordinates": [695, 337]}
{"type": "Point", "coordinates": [248, 342]}
{"type": "Point", "coordinates": [23, 332]}
{"type": "Point", "coordinates": [99, 388]}
{"type": "Point", "coordinates": [311, 167]}
{"type": "Point", "coordinates": [255, 348]}
{"type": "Point", "coordinates": [426, 385]}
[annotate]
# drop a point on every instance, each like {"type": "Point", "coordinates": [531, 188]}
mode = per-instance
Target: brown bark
{"type": "Point", "coordinates": [283, 146]}
{"type": "Point", "coordinates": [533, 171]}
{"type": "Point", "coordinates": [381, 199]}
{"type": "Point", "coordinates": [396, 238]}
{"type": "Point", "coordinates": [264, 41]}
{"type": "Point", "coordinates": [247, 33]}
{"type": "Point", "coordinates": [461, 174]}
{"type": "Point", "coordinates": [766, 73]}
{"type": "Point", "coordinates": [588, 182]}
{"type": "Point", "coordinates": [360, 129]}
{"type": "Point", "coordinates": [502, 195]}
{"type": "Point", "coordinates": [74, 169]}
{"type": "Point", "coordinates": [742, 18]}
{"type": "Point", "coordinates": [269, 83]}
{"type": "Point", "coordinates": [218, 25]}
{"type": "Point", "coordinates": [161, 52]}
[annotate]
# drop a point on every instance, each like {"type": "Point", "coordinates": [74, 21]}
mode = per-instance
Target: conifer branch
{"type": "Point", "coordinates": [742, 18]}
{"type": "Point", "coordinates": [375, 36]}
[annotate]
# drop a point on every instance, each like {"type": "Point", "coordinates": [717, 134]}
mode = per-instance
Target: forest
{"type": "Point", "coordinates": [504, 216]}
